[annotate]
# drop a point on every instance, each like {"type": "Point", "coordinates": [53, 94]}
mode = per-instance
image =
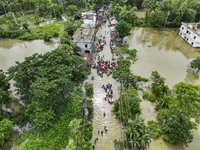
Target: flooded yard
{"type": "Point", "coordinates": [163, 50]}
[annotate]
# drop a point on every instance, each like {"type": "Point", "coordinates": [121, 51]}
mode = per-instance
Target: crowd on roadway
{"type": "Point", "coordinates": [109, 91]}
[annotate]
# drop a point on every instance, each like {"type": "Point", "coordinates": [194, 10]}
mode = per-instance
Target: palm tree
{"type": "Point", "coordinates": [137, 134]}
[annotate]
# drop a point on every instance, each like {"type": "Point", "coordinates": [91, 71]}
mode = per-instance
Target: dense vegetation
{"type": "Point", "coordinates": [19, 18]}
{"type": "Point", "coordinates": [5, 123]}
{"type": "Point", "coordinates": [127, 107]}
{"type": "Point", "coordinates": [195, 64]}
{"type": "Point", "coordinates": [51, 84]}
{"type": "Point", "coordinates": [175, 108]}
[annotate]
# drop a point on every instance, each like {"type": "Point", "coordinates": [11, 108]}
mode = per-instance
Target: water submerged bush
{"type": "Point", "coordinates": [89, 89]}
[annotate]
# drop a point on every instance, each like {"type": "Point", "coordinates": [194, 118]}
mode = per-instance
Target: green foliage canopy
{"type": "Point", "coordinates": [123, 28]}
{"type": "Point", "coordinates": [5, 128]}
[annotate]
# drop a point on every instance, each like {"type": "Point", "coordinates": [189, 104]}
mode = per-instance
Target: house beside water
{"type": "Point", "coordinates": [84, 38]}
{"type": "Point", "coordinates": [190, 32]}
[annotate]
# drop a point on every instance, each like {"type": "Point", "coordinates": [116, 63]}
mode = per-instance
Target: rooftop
{"type": "Point", "coordinates": [83, 35]}
{"type": "Point", "coordinates": [194, 27]}
{"type": "Point", "coordinates": [88, 15]}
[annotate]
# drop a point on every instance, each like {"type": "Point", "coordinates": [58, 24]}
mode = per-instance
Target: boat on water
{"type": "Point", "coordinates": [110, 100]}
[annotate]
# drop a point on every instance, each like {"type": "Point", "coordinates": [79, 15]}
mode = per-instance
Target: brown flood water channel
{"type": "Point", "coordinates": [163, 50]}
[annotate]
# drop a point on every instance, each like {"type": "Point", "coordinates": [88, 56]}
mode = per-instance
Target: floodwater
{"type": "Point", "coordinates": [163, 50]}
{"type": "Point", "coordinates": [105, 141]}
{"type": "Point", "coordinates": [140, 13]}
{"type": "Point", "coordinates": [12, 50]}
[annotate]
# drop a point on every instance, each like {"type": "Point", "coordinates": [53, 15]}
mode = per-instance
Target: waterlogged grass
{"type": "Point", "coordinates": [154, 129]}
{"type": "Point", "coordinates": [56, 26]}
{"type": "Point", "coordinates": [198, 50]}
{"type": "Point", "coordinates": [40, 32]}
{"type": "Point", "coordinates": [131, 53]}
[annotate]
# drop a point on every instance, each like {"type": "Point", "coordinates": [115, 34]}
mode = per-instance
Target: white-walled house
{"type": "Point", "coordinates": [89, 19]}
{"type": "Point", "coordinates": [84, 38]}
{"type": "Point", "coordinates": [190, 32]}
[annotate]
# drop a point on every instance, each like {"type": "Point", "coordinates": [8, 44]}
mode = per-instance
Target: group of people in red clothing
{"type": "Point", "coordinates": [103, 66]}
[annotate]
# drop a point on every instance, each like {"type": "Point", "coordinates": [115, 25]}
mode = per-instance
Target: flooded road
{"type": "Point", "coordinates": [163, 50]}
{"type": "Point", "coordinates": [105, 141]}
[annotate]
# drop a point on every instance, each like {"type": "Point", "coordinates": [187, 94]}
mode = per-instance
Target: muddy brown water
{"type": "Point", "coordinates": [158, 49]}
{"type": "Point", "coordinates": [12, 50]}
{"type": "Point", "coordinates": [163, 50]}
{"type": "Point", "coordinates": [105, 141]}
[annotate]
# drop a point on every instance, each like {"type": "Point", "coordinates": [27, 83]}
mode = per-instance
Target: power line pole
{"type": "Point", "coordinates": [167, 18]}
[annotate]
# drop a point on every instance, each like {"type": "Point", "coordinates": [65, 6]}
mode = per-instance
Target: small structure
{"type": "Point", "coordinates": [103, 10]}
{"type": "Point", "coordinates": [190, 32]}
{"type": "Point", "coordinates": [84, 38]}
{"type": "Point", "coordinates": [86, 56]}
{"type": "Point", "coordinates": [89, 19]}
{"type": "Point", "coordinates": [113, 21]}
{"type": "Point", "coordinates": [78, 15]}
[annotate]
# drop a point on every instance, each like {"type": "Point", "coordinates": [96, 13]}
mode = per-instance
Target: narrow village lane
{"type": "Point", "coordinates": [105, 141]}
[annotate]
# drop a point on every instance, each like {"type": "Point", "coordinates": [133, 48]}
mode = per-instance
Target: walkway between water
{"type": "Point", "coordinates": [105, 141]}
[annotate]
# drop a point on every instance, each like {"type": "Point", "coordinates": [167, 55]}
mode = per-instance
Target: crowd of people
{"type": "Point", "coordinates": [109, 91]}
{"type": "Point", "coordinates": [103, 66]}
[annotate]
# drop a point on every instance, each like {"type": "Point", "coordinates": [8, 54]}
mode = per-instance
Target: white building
{"type": "Point", "coordinates": [89, 19]}
{"type": "Point", "coordinates": [84, 38]}
{"type": "Point", "coordinates": [190, 32]}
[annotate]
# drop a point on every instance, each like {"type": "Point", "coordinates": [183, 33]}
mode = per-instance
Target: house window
{"type": "Point", "coordinates": [85, 45]}
{"type": "Point", "coordinates": [192, 43]}
{"type": "Point", "coordinates": [182, 28]}
{"type": "Point", "coordinates": [187, 31]}
{"type": "Point", "coordinates": [180, 33]}
{"type": "Point", "coordinates": [194, 37]}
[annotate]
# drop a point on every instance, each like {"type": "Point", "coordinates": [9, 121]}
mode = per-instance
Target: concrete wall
{"type": "Point", "coordinates": [82, 46]}
{"type": "Point", "coordinates": [190, 37]}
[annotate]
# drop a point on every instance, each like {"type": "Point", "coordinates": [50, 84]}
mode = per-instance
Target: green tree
{"type": "Point", "coordinates": [159, 88]}
{"type": "Point", "coordinates": [130, 105]}
{"type": "Point", "coordinates": [89, 89]}
{"type": "Point", "coordinates": [176, 121]}
{"type": "Point", "coordinates": [5, 128]}
{"type": "Point", "coordinates": [4, 88]}
{"type": "Point", "coordinates": [137, 134]}
{"type": "Point", "coordinates": [47, 36]}
{"type": "Point", "coordinates": [4, 82]}
{"type": "Point", "coordinates": [123, 28]}
{"type": "Point", "coordinates": [176, 128]}
{"type": "Point", "coordinates": [195, 64]}
{"type": "Point", "coordinates": [47, 82]}
{"type": "Point", "coordinates": [130, 16]}
{"type": "Point", "coordinates": [98, 4]}
{"type": "Point", "coordinates": [71, 9]}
